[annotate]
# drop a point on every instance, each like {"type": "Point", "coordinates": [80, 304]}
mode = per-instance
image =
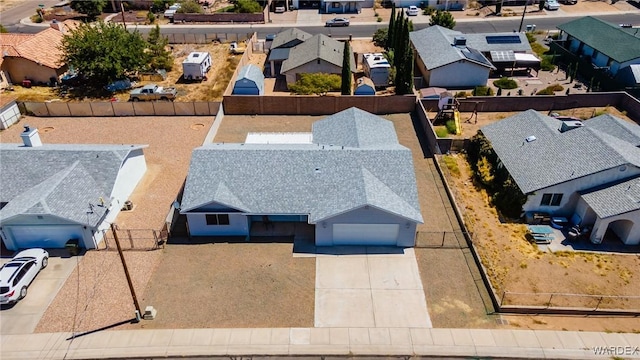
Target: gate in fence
{"type": "Point", "coordinates": [137, 239]}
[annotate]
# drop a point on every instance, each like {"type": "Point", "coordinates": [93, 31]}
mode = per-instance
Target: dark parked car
{"type": "Point", "coordinates": [337, 22]}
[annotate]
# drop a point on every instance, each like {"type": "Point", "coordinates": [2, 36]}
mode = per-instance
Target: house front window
{"type": "Point", "coordinates": [217, 219]}
{"type": "Point", "coordinates": [551, 199]}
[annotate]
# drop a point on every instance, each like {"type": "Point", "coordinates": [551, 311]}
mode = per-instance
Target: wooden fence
{"type": "Point", "coordinates": [115, 108]}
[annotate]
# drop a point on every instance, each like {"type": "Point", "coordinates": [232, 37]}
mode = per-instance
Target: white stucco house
{"type": "Point", "coordinates": [451, 59]}
{"type": "Point", "coordinates": [586, 171]}
{"type": "Point", "coordinates": [353, 181]}
{"type": "Point", "coordinates": [52, 193]}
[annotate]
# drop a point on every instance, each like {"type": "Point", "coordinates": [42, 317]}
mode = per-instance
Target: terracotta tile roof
{"type": "Point", "coordinates": [41, 48]}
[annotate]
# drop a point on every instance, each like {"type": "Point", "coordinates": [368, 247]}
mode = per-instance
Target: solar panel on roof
{"type": "Point", "coordinates": [474, 55]}
{"type": "Point", "coordinates": [503, 56]}
{"type": "Point", "coordinates": [503, 39]}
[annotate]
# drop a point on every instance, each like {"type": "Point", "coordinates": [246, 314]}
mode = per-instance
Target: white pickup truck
{"type": "Point", "coordinates": [152, 92]}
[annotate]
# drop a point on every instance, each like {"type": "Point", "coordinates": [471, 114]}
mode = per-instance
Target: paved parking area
{"type": "Point", "coordinates": [23, 317]}
{"type": "Point", "coordinates": [369, 287]}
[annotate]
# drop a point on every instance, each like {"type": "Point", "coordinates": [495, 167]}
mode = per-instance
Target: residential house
{"type": "Point", "coordinates": [34, 57]}
{"type": "Point", "coordinates": [588, 171]}
{"type": "Point", "coordinates": [448, 5]}
{"type": "Point", "coordinates": [607, 46]}
{"type": "Point", "coordinates": [353, 181]}
{"type": "Point", "coordinates": [281, 45]}
{"type": "Point", "coordinates": [319, 54]}
{"type": "Point", "coordinates": [52, 193]}
{"type": "Point", "coordinates": [451, 59]}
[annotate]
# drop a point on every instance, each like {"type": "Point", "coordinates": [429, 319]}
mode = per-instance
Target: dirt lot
{"type": "Point", "coordinates": [226, 285]}
{"type": "Point", "coordinates": [513, 264]}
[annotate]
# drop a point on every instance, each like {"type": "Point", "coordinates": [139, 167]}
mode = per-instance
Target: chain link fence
{"type": "Point", "coordinates": [136, 239]}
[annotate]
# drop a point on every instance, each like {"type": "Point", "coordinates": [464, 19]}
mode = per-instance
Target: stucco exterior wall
{"type": "Point", "coordinates": [312, 67]}
{"type": "Point", "coordinates": [366, 215]}
{"type": "Point", "coordinates": [461, 74]}
{"type": "Point", "coordinates": [131, 172]}
{"type": "Point", "coordinates": [238, 225]}
{"type": "Point", "coordinates": [570, 188]}
{"type": "Point", "coordinates": [19, 69]}
{"type": "Point", "coordinates": [626, 226]}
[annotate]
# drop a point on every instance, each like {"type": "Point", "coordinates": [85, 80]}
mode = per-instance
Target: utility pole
{"type": "Point", "coordinates": [524, 12]}
{"type": "Point", "coordinates": [126, 272]}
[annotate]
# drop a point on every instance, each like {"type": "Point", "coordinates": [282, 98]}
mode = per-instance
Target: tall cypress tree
{"type": "Point", "coordinates": [391, 30]}
{"type": "Point", "coordinates": [346, 70]}
{"type": "Point", "coordinates": [404, 60]}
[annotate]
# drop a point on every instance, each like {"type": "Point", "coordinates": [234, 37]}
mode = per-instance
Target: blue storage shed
{"type": "Point", "coordinates": [365, 86]}
{"type": "Point", "coordinates": [250, 81]}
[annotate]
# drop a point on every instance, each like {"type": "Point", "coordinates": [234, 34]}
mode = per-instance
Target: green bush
{"type": "Point", "coordinates": [505, 83]}
{"type": "Point", "coordinates": [190, 7]}
{"type": "Point", "coordinates": [556, 87]}
{"type": "Point", "coordinates": [547, 63]}
{"type": "Point", "coordinates": [441, 131]}
{"type": "Point", "coordinates": [482, 91]}
{"type": "Point", "coordinates": [451, 164]}
{"type": "Point", "coordinates": [545, 91]}
{"type": "Point", "coordinates": [462, 94]}
{"type": "Point", "coordinates": [451, 126]}
{"type": "Point", "coordinates": [428, 11]}
{"type": "Point", "coordinates": [316, 83]}
{"type": "Point", "coordinates": [380, 37]}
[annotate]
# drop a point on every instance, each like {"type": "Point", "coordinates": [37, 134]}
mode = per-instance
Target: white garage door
{"type": "Point", "coordinates": [54, 236]}
{"type": "Point", "coordinates": [365, 234]}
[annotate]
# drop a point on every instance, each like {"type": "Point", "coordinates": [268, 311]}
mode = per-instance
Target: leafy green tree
{"type": "Point", "coordinates": [104, 52]}
{"type": "Point", "coordinates": [190, 7]}
{"type": "Point", "coordinates": [91, 8]}
{"type": "Point", "coordinates": [158, 55]}
{"type": "Point", "coordinates": [247, 6]}
{"type": "Point", "coordinates": [541, 5]}
{"type": "Point", "coordinates": [346, 70]}
{"type": "Point", "coordinates": [403, 59]}
{"type": "Point", "coordinates": [442, 18]}
{"type": "Point", "coordinates": [316, 83]}
{"type": "Point", "coordinates": [380, 37]}
{"type": "Point", "coordinates": [161, 5]}
{"type": "Point", "coordinates": [3, 29]}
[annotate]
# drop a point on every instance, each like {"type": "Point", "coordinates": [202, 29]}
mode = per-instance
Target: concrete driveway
{"type": "Point", "coordinates": [23, 317]}
{"type": "Point", "coordinates": [369, 287]}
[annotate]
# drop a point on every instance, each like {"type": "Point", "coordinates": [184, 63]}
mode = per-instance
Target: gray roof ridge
{"type": "Point", "coordinates": [223, 192]}
{"type": "Point", "coordinates": [374, 187]}
{"type": "Point", "coordinates": [624, 149]}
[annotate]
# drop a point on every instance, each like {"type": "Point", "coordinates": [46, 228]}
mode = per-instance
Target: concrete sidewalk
{"type": "Point", "coordinates": [513, 344]}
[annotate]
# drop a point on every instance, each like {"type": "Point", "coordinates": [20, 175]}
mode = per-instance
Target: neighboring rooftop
{"type": "Point", "coordinates": [620, 44]}
{"type": "Point", "coordinates": [323, 179]}
{"type": "Point", "coordinates": [435, 45]}
{"type": "Point", "coordinates": [290, 37]}
{"type": "Point", "coordinates": [41, 48]}
{"type": "Point", "coordinates": [554, 157]}
{"type": "Point", "coordinates": [317, 47]}
{"type": "Point", "coordinates": [61, 180]}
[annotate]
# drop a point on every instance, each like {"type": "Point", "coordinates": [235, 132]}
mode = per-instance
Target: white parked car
{"type": "Point", "coordinates": [17, 274]}
{"type": "Point", "coordinates": [552, 5]}
{"type": "Point", "coordinates": [413, 11]}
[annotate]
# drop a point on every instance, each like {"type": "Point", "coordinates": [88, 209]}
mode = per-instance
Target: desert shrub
{"type": "Point", "coordinates": [316, 83]}
{"type": "Point", "coordinates": [546, 63]}
{"type": "Point", "coordinates": [556, 87]}
{"type": "Point", "coordinates": [428, 11]}
{"type": "Point", "coordinates": [441, 132]}
{"type": "Point", "coordinates": [482, 91]}
{"type": "Point", "coordinates": [380, 37]}
{"type": "Point", "coordinates": [451, 164]}
{"type": "Point", "coordinates": [451, 126]}
{"type": "Point", "coordinates": [484, 162]}
{"type": "Point", "coordinates": [545, 91]}
{"type": "Point", "coordinates": [190, 7]}
{"type": "Point", "coordinates": [462, 94]}
{"type": "Point", "coordinates": [505, 83]}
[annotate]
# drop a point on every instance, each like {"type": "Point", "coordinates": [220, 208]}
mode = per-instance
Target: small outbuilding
{"type": "Point", "coordinates": [250, 81]}
{"type": "Point", "coordinates": [365, 87]}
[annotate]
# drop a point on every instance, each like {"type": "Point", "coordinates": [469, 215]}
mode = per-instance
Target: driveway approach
{"type": "Point", "coordinates": [369, 287]}
{"type": "Point", "coordinates": [23, 317]}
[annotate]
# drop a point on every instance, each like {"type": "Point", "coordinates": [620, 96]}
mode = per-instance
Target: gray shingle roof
{"type": "Point", "coordinates": [555, 157]}
{"type": "Point", "coordinates": [614, 199]}
{"type": "Point", "coordinates": [61, 180]}
{"type": "Point", "coordinates": [354, 128]}
{"type": "Point", "coordinates": [289, 38]}
{"type": "Point", "coordinates": [251, 73]}
{"type": "Point", "coordinates": [317, 47]}
{"type": "Point", "coordinates": [315, 179]}
{"type": "Point", "coordinates": [613, 126]}
{"type": "Point", "coordinates": [435, 47]}
{"type": "Point", "coordinates": [610, 39]}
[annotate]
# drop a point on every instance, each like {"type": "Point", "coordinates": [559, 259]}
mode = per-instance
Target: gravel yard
{"type": "Point", "coordinates": [231, 285]}
{"type": "Point", "coordinates": [96, 294]}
